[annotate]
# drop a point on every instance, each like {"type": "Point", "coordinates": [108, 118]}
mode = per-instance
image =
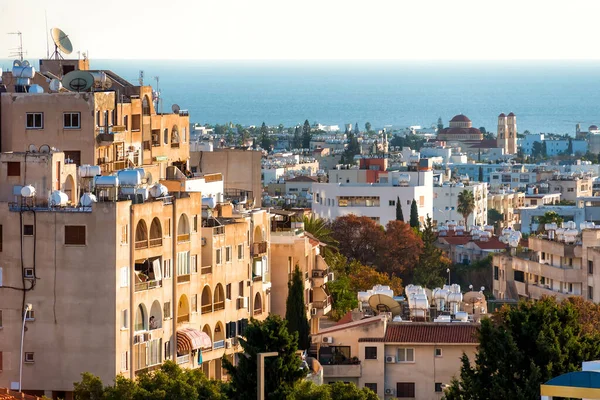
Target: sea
{"type": "Point", "coordinates": [546, 96]}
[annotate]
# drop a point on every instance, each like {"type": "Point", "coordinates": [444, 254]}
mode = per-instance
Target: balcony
{"type": "Point", "coordinates": [183, 318]}
{"type": "Point", "coordinates": [342, 371]}
{"type": "Point", "coordinates": [322, 304]}
{"type": "Point", "coordinates": [174, 145]}
{"type": "Point", "coordinates": [141, 244]}
{"type": "Point", "coordinates": [183, 359]}
{"type": "Point", "coordinates": [206, 270]}
{"type": "Point", "coordinates": [258, 311]}
{"type": "Point", "coordinates": [219, 344]}
{"type": "Point", "coordinates": [141, 286]}
{"type": "Point", "coordinates": [320, 276]}
{"type": "Point", "coordinates": [259, 249]}
{"type": "Point", "coordinates": [155, 242]}
{"type": "Point", "coordinates": [183, 278]}
{"type": "Point", "coordinates": [219, 305]}
{"type": "Point", "coordinates": [206, 309]}
{"type": "Point", "coordinates": [183, 238]}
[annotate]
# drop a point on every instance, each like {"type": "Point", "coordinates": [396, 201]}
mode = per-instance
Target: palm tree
{"type": "Point", "coordinates": [320, 230]}
{"type": "Point", "coordinates": [466, 204]}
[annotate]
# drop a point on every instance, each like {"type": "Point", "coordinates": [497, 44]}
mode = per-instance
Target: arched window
{"type": "Point", "coordinates": [155, 233]}
{"type": "Point", "coordinates": [145, 106]}
{"type": "Point", "coordinates": [174, 136]}
{"type": "Point", "coordinates": [219, 297]}
{"type": "Point", "coordinates": [206, 301]}
{"type": "Point", "coordinates": [166, 136]}
{"type": "Point", "coordinates": [183, 309]}
{"type": "Point", "coordinates": [257, 304]}
{"type": "Point", "coordinates": [141, 235]}
{"type": "Point", "coordinates": [183, 229]}
{"type": "Point", "coordinates": [141, 320]}
{"type": "Point", "coordinates": [155, 316]}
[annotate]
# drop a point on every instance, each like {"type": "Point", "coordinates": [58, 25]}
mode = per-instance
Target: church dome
{"type": "Point", "coordinates": [593, 128]}
{"type": "Point", "coordinates": [502, 115]}
{"type": "Point", "coordinates": [460, 118]}
{"type": "Point", "coordinates": [460, 121]}
{"type": "Point", "coordinates": [512, 114]}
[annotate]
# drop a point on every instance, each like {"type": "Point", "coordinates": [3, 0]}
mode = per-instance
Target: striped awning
{"type": "Point", "coordinates": [189, 339]}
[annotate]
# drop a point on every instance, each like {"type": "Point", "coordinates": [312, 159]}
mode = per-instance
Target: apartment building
{"type": "Point", "coordinates": [571, 186]}
{"type": "Point", "coordinates": [506, 202]}
{"type": "Point", "coordinates": [291, 247]}
{"type": "Point", "coordinates": [561, 264]}
{"type": "Point", "coordinates": [445, 202]}
{"type": "Point", "coordinates": [530, 216]}
{"type": "Point", "coordinates": [395, 359]}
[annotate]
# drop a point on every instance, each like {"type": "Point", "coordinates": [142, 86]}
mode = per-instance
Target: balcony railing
{"type": "Point", "coordinates": [183, 278]}
{"type": "Point", "coordinates": [256, 278]}
{"type": "Point", "coordinates": [183, 238]}
{"type": "Point", "coordinates": [141, 244]}
{"type": "Point", "coordinates": [206, 270]}
{"type": "Point", "coordinates": [141, 286]}
{"type": "Point", "coordinates": [183, 359]}
{"type": "Point", "coordinates": [322, 303]}
{"type": "Point", "coordinates": [219, 305]}
{"type": "Point", "coordinates": [319, 273]}
{"type": "Point", "coordinates": [156, 242]}
{"type": "Point", "coordinates": [219, 344]}
{"type": "Point", "coordinates": [206, 309]}
{"type": "Point", "coordinates": [258, 311]}
{"type": "Point", "coordinates": [259, 248]}
{"type": "Point", "coordinates": [183, 318]}
{"type": "Point", "coordinates": [174, 145]}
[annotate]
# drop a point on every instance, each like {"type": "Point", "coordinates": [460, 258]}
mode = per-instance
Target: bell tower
{"type": "Point", "coordinates": [501, 132]}
{"type": "Point", "coordinates": [511, 137]}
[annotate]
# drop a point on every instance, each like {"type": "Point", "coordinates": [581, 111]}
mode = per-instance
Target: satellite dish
{"type": "Point", "coordinates": [55, 85]}
{"type": "Point", "coordinates": [16, 63]}
{"type": "Point", "coordinates": [61, 42]}
{"type": "Point", "coordinates": [148, 178]}
{"type": "Point", "coordinates": [45, 149]}
{"type": "Point", "coordinates": [175, 109]}
{"type": "Point", "coordinates": [383, 303]}
{"type": "Point", "coordinates": [78, 81]}
{"type": "Point", "coordinates": [33, 148]}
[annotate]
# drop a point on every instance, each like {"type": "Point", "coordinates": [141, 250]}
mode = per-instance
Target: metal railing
{"type": "Point", "coordinates": [219, 344]}
{"type": "Point", "coordinates": [156, 242]}
{"type": "Point", "coordinates": [322, 303]}
{"type": "Point", "coordinates": [206, 309]}
{"type": "Point", "coordinates": [259, 248]}
{"type": "Point", "coordinates": [258, 311]}
{"type": "Point", "coordinates": [219, 305]}
{"type": "Point", "coordinates": [141, 244]}
{"type": "Point", "coordinates": [183, 238]}
{"type": "Point", "coordinates": [183, 359]}
{"type": "Point", "coordinates": [183, 318]}
{"type": "Point", "coordinates": [141, 286]}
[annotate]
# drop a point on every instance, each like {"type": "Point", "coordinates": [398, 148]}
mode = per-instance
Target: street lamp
{"type": "Point", "coordinates": [448, 271]}
{"type": "Point", "coordinates": [261, 372]}
{"type": "Point", "coordinates": [28, 308]}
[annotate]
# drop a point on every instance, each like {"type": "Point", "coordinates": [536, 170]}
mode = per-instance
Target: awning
{"type": "Point", "coordinates": [189, 339]}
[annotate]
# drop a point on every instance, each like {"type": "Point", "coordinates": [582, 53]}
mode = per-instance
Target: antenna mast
{"type": "Point", "coordinates": [141, 78]}
{"type": "Point", "coordinates": [19, 50]}
{"type": "Point", "coordinates": [158, 102]}
{"type": "Point", "coordinates": [47, 34]}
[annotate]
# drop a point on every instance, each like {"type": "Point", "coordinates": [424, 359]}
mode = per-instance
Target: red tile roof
{"type": "Point", "coordinates": [345, 319]}
{"type": "Point", "coordinates": [456, 240]}
{"type": "Point", "coordinates": [492, 243]}
{"type": "Point", "coordinates": [429, 332]}
{"type": "Point", "coordinates": [460, 118]}
{"type": "Point", "coordinates": [302, 178]}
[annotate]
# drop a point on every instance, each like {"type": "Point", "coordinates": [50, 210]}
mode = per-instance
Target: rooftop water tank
{"type": "Point", "coordinates": [23, 71]}
{"type": "Point", "coordinates": [106, 181]}
{"type": "Point", "coordinates": [209, 202]}
{"type": "Point", "coordinates": [58, 199]}
{"type": "Point", "coordinates": [158, 190]}
{"type": "Point", "coordinates": [129, 177]}
{"type": "Point", "coordinates": [461, 316]}
{"type": "Point", "coordinates": [35, 88]}
{"type": "Point", "coordinates": [89, 171]}
{"type": "Point", "coordinates": [28, 191]}
{"type": "Point", "coordinates": [87, 199]}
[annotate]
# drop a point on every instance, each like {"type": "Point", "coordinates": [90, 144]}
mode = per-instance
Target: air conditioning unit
{"type": "Point", "coordinates": [327, 339]}
{"type": "Point", "coordinates": [28, 273]}
{"type": "Point", "coordinates": [390, 392]}
{"type": "Point", "coordinates": [330, 276]}
{"type": "Point", "coordinates": [228, 344]}
{"type": "Point", "coordinates": [313, 311]}
{"type": "Point", "coordinates": [390, 359]}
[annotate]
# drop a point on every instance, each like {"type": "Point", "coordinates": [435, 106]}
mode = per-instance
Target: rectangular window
{"type": "Point", "coordinates": [124, 361]}
{"type": "Point", "coordinates": [27, 230]}
{"type": "Point", "coordinates": [195, 303]}
{"type": "Point", "coordinates": [194, 264]}
{"type": "Point", "coordinates": [392, 202]}
{"type": "Point", "coordinates": [167, 270]}
{"type": "Point", "coordinates": [167, 310]}
{"type": "Point", "coordinates": [218, 260]}
{"type": "Point", "coordinates": [195, 225]}
{"type": "Point", "coordinates": [372, 386]}
{"type": "Point", "coordinates": [0, 321]}
{"type": "Point", "coordinates": [438, 387]}
{"type": "Point", "coordinates": [124, 276]}
{"type": "Point", "coordinates": [240, 248]}
{"type": "Point", "coordinates": [438, 352]}
{"type": "Point", "coordinates": [228, 291]}
{"type": "Point", "coordinates": [183, 263]}
{"type": "Point", "coordinates": [228, 254]}
{"type": "Point", "coordinates": [75, 234]}
{"type": "Point", "coordinates": [405, 389]}
{"type": "Point", "coordinates": [496, 270]}
{"type": "Point", "coordinates": [29, 315]}
{"type": "Point", "coordinates": [71, 120]}
{"type": "Point", "coordinates": [370, 353]}
{"type": "Point", "coordinates": [241, 289]}
{"type": "Point", "coordinates": [125, 319]}
{"type": "Point", "coordinates": [124, 234]}
{"type": "Point", "coordinates": [168, 350]}
{"type": "Point", "coordinates": [13, 168]}
{"type": "Point", "coordinates": [35, 121]}
{"type": "Point", "coordinates": [168, 227]}
{"type": "Point", "coordinates": [590, 263]}
{"type": "Point", "coordinates": [29, 357]}
{"type": "Point", "coordinates": [406, 355]}
{"type": "Point", "coordinates": [590, 293]}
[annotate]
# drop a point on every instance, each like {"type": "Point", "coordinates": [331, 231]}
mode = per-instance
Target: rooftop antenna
{"type": "Point", "coordinates": [47, 44]}
{"type": "Point", "coordinates": [19, 50]}
{"type": "Point", "coordinates": [141, 77]}
{"type": "Point", "coordinates": [158, 94]}
{"type": "Point", "coordinates": [62, 43]}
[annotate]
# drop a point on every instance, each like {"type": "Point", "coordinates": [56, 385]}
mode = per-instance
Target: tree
{"type": "Point", "coordinates": [360, 238]}
{"type": "Point", "coordinates": [297, 140]}
{"type": "Point", "coordinates": [352, 150]}
{"type": "Point", "coordinates": [366, 277]}
{"type": "Point", "coordinates": [399, 250]}
{"type": "Point", "coordinates": [431, 267]}
{"type": "Point", "coordinates": [549, 217]}
{"type": "Point", "coordinates": [482, 130]}
{"type": "Point", "coordinates": [265, 141]}
{"type": "Point", "coordinates": [368, 127]}
{"type": "Point", "coordinates": [525, 346]}
{"type": "Point", "coordinates": [414, 215]}
{"type": "Point", "coordinates": [169, 382]}
{"type": "Point", "coordinates": [306, 135]}
{"type": "Point", "coordinates": [466, 204]}
{"type": "Point", "coordinates": [440, 124]}
{"type": "Point", "coordinates": [480, 174]}
{"type": "Point", "coordinates": [307, 390]}
{"type": "Point", "coordinates": [321, 231]}
{"type": "Point", "coordinates": [494, 216]}
{"type": "Point", "coordinates": [537, 150]}
{"type": "Point", "coordinates": [295, 310]}
{"type": "Point", "coordinates": [344, 299]}
{"type": "Point", "coordinates": [399, 215]}
{"type": "Point", "coordinates": [280, 128]}
{"type": "Point", "coordinates": [282, 372]}
{"type": "Point", "coordinates": [356, 131]}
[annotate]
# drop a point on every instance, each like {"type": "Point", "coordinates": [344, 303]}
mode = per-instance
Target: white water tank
{"type": "Point", "coordinates": [89, 171]}
{"type": "Point", "coordinates": [55, 85]}
{"type": "Point", "coordinates": [209, 202]}
{"type": "Point", "coordinates": [461, 316]}
{"type": "Point", "coordinates": [23, 72]}
{"type": "Point", "coordinates": [28, 191]}
{"type": "Point", "coordinates": [58, 199]}
{"type": "Point", "coordinates": [158, 190]}
{"type": "Point", "coordinates": [129, 177]}
{"type": "Point", "coordinates": [106, 181]}
{"type": "Point", "coordinates": [36, 89]}
{"type": "Point", "coordinates": [87, 200]}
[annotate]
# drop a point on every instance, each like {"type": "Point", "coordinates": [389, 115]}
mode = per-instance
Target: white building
{"type": "Point", "coordinates": [445, 202]}
{"type": "Point", "coordinates": [377, 200]}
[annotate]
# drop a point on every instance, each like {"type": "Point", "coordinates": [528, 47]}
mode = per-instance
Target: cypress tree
{"type": "Point", "coordinates": [295, 311]}
{"type": "Point", "coordinates": [399, 216]}
{"type": "Point", "coordinates": [480, 174]}
{"type": "Point", "coordinates": [414, 215]}
{"type": "Point", "coordinates": [306, 135]}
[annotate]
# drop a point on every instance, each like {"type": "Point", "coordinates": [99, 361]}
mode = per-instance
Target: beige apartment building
{"type": "Point", "coordinates": [506, 202]}
{"type": "Point", "coordinates": [114, 124]}
{"type": "Point", "coordinates": [291, 246]}
{"type": "Point", "coordinates": [570, 186]}
{"type": "Point", "coordinates": [395, 359]}
{"type": "Point", "coordinates": [119, 286]}
{"type": "Point", "coordinates": [552, 267]}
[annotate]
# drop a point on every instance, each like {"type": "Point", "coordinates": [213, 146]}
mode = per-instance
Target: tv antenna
{"type": "Point", "coordinates": [61, 43]}
{"type": "Point", "coordinates": [141, 77]}
{"type": "Point", "coordinates": [158, 102]}
{"type": "Point", "coordinates": [18, 51]}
